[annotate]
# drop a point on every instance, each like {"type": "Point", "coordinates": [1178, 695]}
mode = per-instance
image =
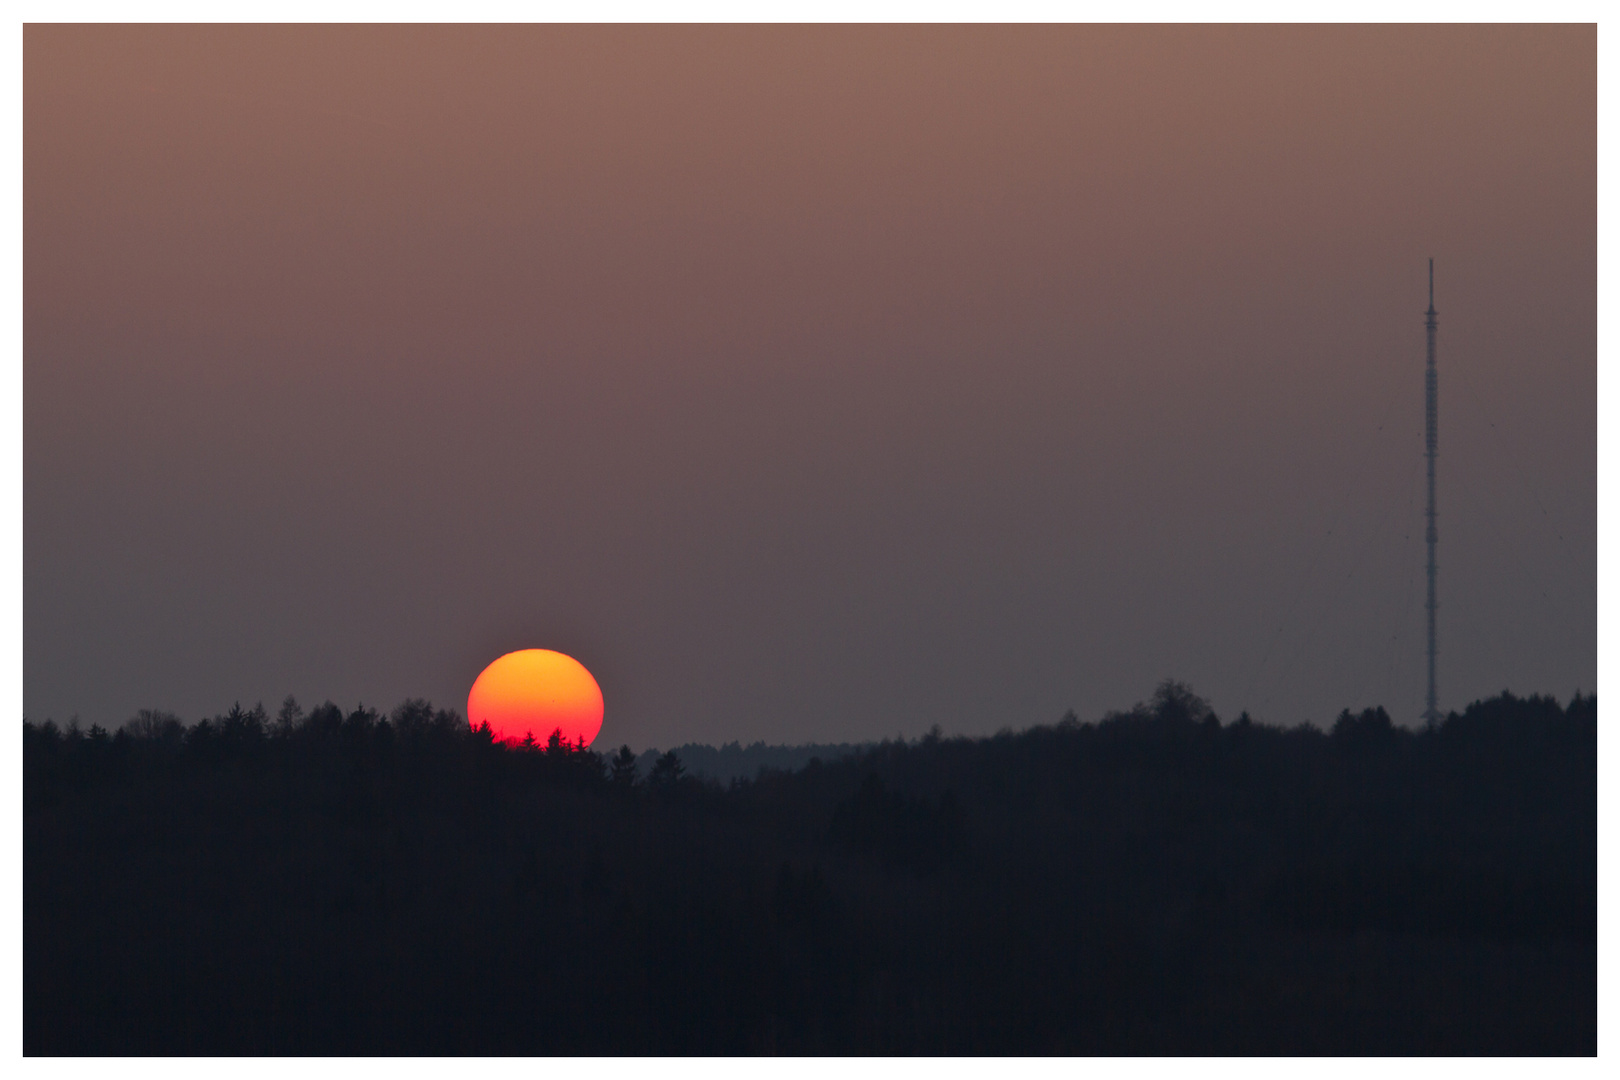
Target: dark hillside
{"type": "Point", "coordinates": [1157, 882]}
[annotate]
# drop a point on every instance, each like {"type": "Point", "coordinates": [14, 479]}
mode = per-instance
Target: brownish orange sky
{"type": "Point", "coordinates": [805, 383]}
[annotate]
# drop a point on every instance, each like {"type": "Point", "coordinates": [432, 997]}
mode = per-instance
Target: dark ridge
{"type": "Point", "coordinates": [1156, 882]}
{"type": "Point", "coordinates": [733, 761]}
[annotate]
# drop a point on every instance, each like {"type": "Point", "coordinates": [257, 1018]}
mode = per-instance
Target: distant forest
{"type": "Point", "coordinates": [1156, 882]}
{"type": "Point", "coordinates": [734, 761]}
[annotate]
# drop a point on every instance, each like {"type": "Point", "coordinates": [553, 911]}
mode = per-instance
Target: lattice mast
{"type": "Point", "coordinates": [1431, 447]}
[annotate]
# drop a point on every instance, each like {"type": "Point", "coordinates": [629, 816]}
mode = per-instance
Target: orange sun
{"type": "Point", "coordinates": [536, 691]}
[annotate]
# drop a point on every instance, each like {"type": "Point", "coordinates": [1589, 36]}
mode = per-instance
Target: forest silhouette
{"type": "Point", "coordinates": [1156, 882]}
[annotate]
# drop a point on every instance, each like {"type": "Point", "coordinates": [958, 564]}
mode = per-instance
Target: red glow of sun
{"type": "Point", "coordinates": [536, 692]}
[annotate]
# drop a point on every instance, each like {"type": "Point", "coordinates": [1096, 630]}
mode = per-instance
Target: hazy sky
{"type": "Point", "coordinates": [806, 383]}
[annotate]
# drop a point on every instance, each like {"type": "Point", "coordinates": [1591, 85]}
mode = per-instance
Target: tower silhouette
{"type": "Point", "coordinates": [1431, 447]}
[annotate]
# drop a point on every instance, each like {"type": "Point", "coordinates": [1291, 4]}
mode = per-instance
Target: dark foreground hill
{"type": "Point", "coordinates": [1158, 882]}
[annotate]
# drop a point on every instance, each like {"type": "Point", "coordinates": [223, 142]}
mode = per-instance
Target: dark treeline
{"type": "Point", "coordinates": [1157, 882]}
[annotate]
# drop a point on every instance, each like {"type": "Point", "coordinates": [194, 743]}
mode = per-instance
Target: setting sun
{"type": "Point", "coordinates": [536, 691]}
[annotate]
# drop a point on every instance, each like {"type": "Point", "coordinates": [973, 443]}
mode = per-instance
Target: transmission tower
{"type": "Point", "coordinates": [1431, 447]}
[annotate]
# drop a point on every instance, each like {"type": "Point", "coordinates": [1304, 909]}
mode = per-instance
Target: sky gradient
{"type": "Point", "coordinates": [806, 383]}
